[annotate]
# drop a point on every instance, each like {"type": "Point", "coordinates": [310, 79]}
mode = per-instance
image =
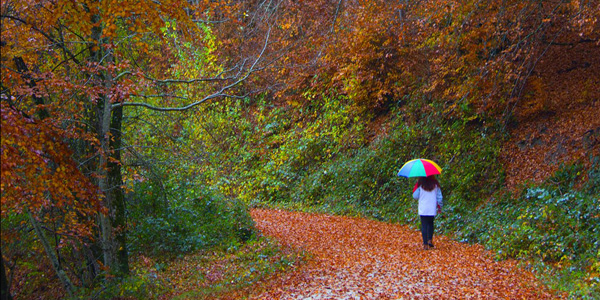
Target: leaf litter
{"type": "Point", "coordinates": [355, 258]}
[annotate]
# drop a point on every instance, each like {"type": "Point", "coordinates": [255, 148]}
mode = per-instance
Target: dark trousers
{"type": "Point", "coordinates": [427, 228]}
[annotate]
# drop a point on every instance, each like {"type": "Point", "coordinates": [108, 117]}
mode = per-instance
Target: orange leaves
{"type": "Point", "coordinates": [38, 173]}
{"type": "Point", "coordinates": [363, 259]}
{"type": "Point", "coordinates": [472, 52]}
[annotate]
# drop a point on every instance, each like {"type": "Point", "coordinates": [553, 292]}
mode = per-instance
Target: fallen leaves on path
{"type": "Point", "coordinates": [354, 258]}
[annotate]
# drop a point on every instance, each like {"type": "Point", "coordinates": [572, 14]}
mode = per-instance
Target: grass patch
{"type": "Point", "coordinates": [209, 274]}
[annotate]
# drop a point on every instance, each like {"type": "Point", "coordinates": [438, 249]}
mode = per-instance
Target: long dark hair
{"type": "Point", "coordinates": [428, 183]}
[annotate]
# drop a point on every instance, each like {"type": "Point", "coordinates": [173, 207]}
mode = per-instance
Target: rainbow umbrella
{"type": "Point", "coordinates": [419, 168]}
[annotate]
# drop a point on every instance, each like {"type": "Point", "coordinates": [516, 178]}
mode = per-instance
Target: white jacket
{"type": "Point", "coordinates": [428, 200]}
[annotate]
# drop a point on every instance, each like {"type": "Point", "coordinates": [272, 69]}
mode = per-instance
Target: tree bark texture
{"type": "Point", "coordinates": [118, 200]}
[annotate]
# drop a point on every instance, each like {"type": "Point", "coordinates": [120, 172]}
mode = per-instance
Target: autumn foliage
{"type": "Point", "coordinates": [473, 57]}
{"type": "Point", "coordinates": [36, 164]}
{"type": "Point", "coordinates": [101, 111]}
{"type": "Point", "coordinates": [67, 69]}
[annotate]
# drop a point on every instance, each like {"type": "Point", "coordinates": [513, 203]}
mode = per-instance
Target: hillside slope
{"type": "Point", "coordinates": [558, 119]}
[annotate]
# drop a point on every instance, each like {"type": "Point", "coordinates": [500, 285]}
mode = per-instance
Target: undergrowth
{"type": "Point", "coordinates": [551, 226]}
{"type": "Point", "coordinates": [205, 274]}
{"type": "Point", "coordinates": [189, 223]}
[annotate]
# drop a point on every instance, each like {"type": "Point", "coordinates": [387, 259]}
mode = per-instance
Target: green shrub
{"type": "Point", "coordinates": [183, 225]}
{"type": "Point", "coordinates": [222, 220]}
{"type": "Point", "coordinates": [172, 232]}
{"type": "Point", "coordinates": [139, 286]}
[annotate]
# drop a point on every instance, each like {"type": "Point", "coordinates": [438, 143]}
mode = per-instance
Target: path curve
{"type": "Point", "coordinates": [354, 258]}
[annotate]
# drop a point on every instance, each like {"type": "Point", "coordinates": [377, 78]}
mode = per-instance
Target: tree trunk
{"type": "Point", "coordinates": [106, 234]}
{"type": "Point", "coordinates": [113, 225]}
{"type": "Point", "coordinates": [118, 200]}
{"type": "Point", "coordinates": [62, 276]}
{"type": "Point", "coordinates": [24, 70]}
{"type": "Point", "coordinates": [4, 288]}
{"type": "Point", "coordinates": [102, 120]}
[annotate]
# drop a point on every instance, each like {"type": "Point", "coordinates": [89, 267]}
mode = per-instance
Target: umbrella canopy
{"type": "Point", "coordinates": [419, 168]}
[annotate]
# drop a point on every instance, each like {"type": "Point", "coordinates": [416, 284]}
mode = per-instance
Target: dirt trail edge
{"type": "Point", "coordinates": [354, 258]}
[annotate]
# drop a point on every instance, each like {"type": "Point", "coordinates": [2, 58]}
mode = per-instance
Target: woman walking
{"type": "Point", "coordinates": [428, 192]}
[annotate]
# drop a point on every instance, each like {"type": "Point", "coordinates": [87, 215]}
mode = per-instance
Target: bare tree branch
{"type": "Point", "coordinates": [217, 77]}
{"type": "Point", "coordinates": [337, 11]}
{"type": "Point", "coordinates": [219, 94]}
{"type": "Point", "coordinates": [166, 109]}
{"type": "Point", "coordinates": [160, 96]}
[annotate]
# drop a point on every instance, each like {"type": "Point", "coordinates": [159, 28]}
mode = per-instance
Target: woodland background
{"type": "Point", "coordinates": [137, 134]}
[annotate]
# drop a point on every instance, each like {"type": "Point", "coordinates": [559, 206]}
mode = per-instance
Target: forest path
{"type": "Point", "coordinates": [355, 258]}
